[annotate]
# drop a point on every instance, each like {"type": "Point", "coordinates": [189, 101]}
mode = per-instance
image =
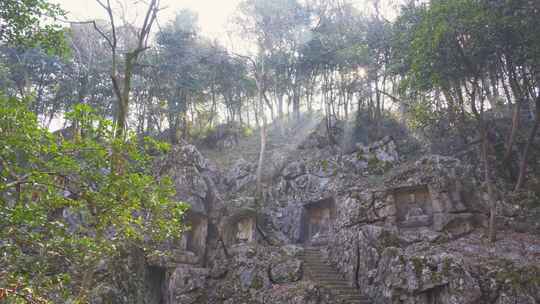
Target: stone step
{"type": "Point", "coordinates": [314, 262]}
{"type": "Point", "coordinates": [311, 251]}
{"type": "Point", "coordinates": [321, 267]}
{"type": "Point", "coordinates": [332, 279]}
{"type": "Point", "coordinates": [341, 287]}
{"type": "Point", "coordinates": [352, 298]}
{"type": "Point", "coordinates": [322, 278]}
{"type": "Point", "coordinates": [336, 283]}
{"type": "Point", "coordinates": [349, 294]}
{"type": "Point", "coordinates": [328, 277]}
{"type": "Point", "coordinates": [324, 274]}
{"type": "Point", "coordinates": [358, 300]}
{"type": "Point", "coordinates": [306, 261]}
{"type": "Point", "coordinates": [322, 271]}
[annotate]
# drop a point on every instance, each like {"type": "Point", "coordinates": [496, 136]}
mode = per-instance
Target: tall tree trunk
{"type": "Point", "coordinates": [451, 105]}
{"type": "Point", "coordinates": [279, 96]}
{"type": "Point", "coordinates": [519, 95]}
{"type": "Point", "coordinates": [260, 109]}
{"type": "Point", "coordinates": [526, 151]}
{"type": "Point", "coordinates": [484, 135]}
{"type": "Point", "coordinates": [296, 105]}
{"type": "Point", "coordinates": [123, 95]}
{"type": "Point", "coordinates": [213, 108]}
{"type": "Point", "coordinates": [487, 178]}
{"type": "Point", "coordinates": [507, 159]}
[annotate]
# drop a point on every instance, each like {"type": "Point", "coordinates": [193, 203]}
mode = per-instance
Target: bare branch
{"type": "Point", "coordinates": [103, 34]}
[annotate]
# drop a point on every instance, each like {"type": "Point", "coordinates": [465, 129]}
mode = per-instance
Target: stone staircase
{"type": "Point", "coordinates": [317, 270]}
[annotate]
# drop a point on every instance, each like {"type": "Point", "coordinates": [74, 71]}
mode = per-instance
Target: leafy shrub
{"type": "Point", "coordinates": [64, 207]}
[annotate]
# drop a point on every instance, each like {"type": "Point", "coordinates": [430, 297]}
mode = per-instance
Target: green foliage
{"type": "Point", "coordinates": [420, 115]}
{"type": "Point", "coordinates": [448, 43]}
{"type": "Point", "coordinates": [63, 210]}
{"type": "Point", "coordinates": [515, 277]}
{"type": "Point", "coordinates": [247, 131]}
{"type": "Point", "coordinates": [23, 24]}
{"type": "Point", "coordinates": [418, 264]}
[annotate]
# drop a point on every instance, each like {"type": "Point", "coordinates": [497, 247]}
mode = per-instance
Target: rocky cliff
{"type": "Point", "coordinates": [396, 231]}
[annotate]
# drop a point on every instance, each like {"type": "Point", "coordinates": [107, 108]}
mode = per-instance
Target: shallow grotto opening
{"type": "Point", "coordinates": [157, 278]}
{"type": "Point", "coordinates": [414, 206]}
{"type": "Point", "coordinates": [195, 237]}
{"type": "Point", "coordinates": [317, 220]}
{"type": "Point", "coordinates": [241, 228]}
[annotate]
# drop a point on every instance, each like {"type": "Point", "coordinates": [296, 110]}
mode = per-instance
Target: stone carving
{"type": "Point", "coordinates": [245, 230]}
{"type": "Point", "coordinates": [414, 207]}
{"type": "Point", "coordinates": [240, 228]}
{"type": "Point", "coordinates": [318, 219]}
{"type": "Point", "coordinates": [195, 238]}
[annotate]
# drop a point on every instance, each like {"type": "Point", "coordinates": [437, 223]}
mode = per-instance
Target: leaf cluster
{"type": "Point", "coordinates": [62, 208]}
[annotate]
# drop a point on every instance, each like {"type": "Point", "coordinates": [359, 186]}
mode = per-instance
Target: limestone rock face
{"type": "Point", "coordinates": [403, 232]}
{"type": "Point", "coordinates": [241, 174]}
{"type": "Point", "coordinates": [419, 239]}
{"type": "Point", "coordinates": [384, 150]}
{"type": "Point", "coordinates": [189, 170]}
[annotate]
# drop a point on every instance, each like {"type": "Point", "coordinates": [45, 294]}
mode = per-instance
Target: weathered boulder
{"type": "Point", "coordinates": [187, 285]}
{"type": "Point", "coordinates": [376, 157]}
{"type": "Point", "coordinates": [384, 150]}
{"type": "Point", "coordinates": [172, 258]}
{"type": "Point", "coordinates": [286, 271]}
{"type": "Point", "coordinates": [190, 172]}
{"type": "Point", "coordinates": [241, 174]}
{"type": "Point", "coordinates": [294, 170]}
{"type": "Point", "coordinates": [224, 136]}
{"type": "Point", "coordinates": [105, 294]}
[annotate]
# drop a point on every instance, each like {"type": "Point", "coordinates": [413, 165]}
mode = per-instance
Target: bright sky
{"type": "Point", "coordinates": [213, 14]}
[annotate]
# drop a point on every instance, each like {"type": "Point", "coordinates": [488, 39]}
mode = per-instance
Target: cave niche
{"type": "Point", "coordinates": [317, 220]}
{"type": "Point", "coordinates": [156, 284]}
{"type": "Point", "coordinates": [414, 206]}
{"type": "Point", "coordinates": [194, 239]}
{"type": "Point", "coordinates": [241, 228]}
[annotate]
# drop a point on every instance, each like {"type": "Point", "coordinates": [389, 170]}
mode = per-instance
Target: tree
{"type": "Point", "coordinates": [121, 83]}
{"type": "Point", "coordinates": [279, 29]}
{"type": "Point", "coordinates": [23, 24]}
{"type": "Point", "coordinates": [451, 52]}
{"type": "Point", "coordinates": [63, 211]}
{"type": "Point", "coordinates": [89, 73]}
{"type": "Point", "coordinates": [33, 73]}
{"type": "Point", "coordinates": [179, 66]}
